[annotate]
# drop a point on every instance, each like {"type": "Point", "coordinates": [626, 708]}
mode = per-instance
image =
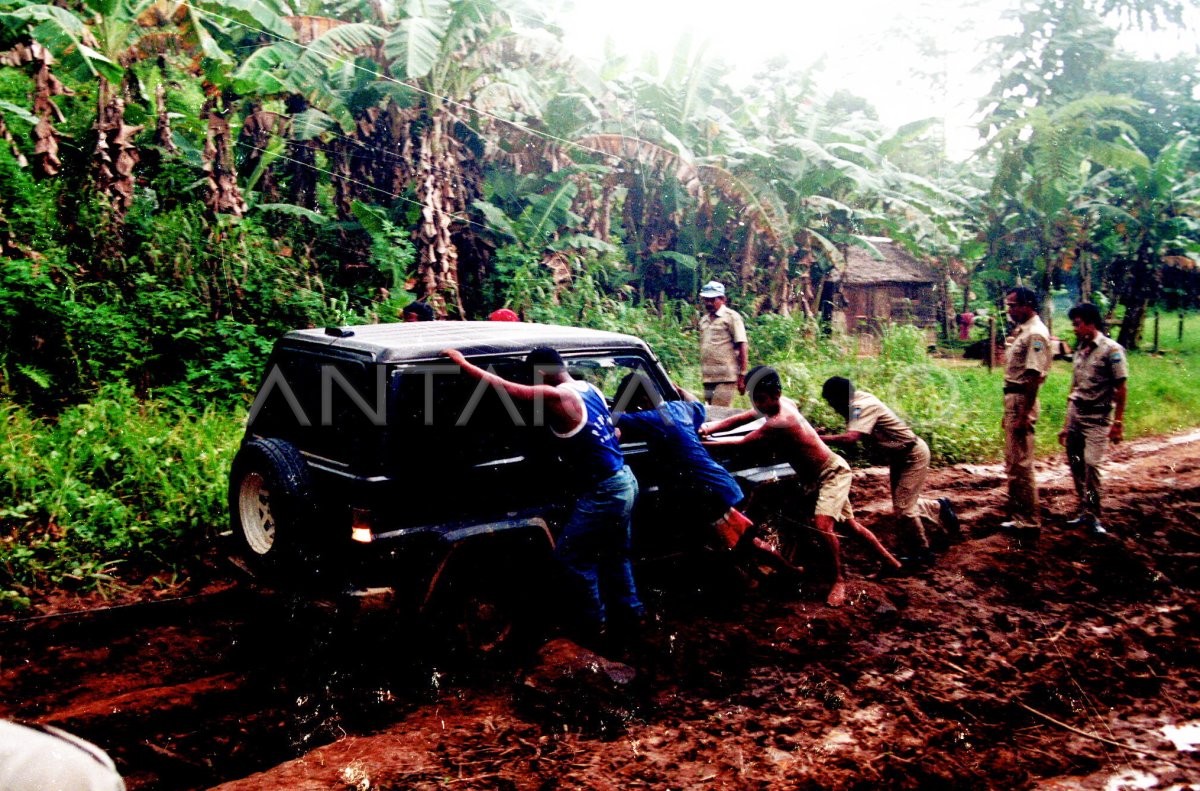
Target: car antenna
{"type": "Point", "coordinates": [339, 332]}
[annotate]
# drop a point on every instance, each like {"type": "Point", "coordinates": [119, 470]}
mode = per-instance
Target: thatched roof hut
{"type": "Point", "coordinates": [872, 291]}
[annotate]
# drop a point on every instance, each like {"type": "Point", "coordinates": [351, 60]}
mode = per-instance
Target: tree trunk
{"type": "Point", "coordinates": [6, 135]}
{"type": "Point", "coordinates": [223, 195]}
{"type": "Point", "coordinates": [164, 138]}
{"type": "Point", "coordinates": [1047, 305]}
{"type": "Point", "coordinates": [750, 261]}
{"type": "Point", "coordinates": [1142, 288]}
{"type": "Point", "coordinates": [257, 130]}
{"type": "Point", "coordinates": [1085, 277]}
{"type": "Point", "coordinates": [1131, 325]}
{"type": "Point", "coordinates": [45, 87]}
{"type": "Point", "coordinates": [438, 194]}
{"type": "Point", "coordinates": [115, 155]}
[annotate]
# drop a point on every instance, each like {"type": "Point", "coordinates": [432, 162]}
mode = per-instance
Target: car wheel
{"type": "Point", "coordinates": [270, 500]}
{"type": "Point", "coordinates": [490, 597]}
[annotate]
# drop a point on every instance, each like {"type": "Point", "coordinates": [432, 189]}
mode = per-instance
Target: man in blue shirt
{"type": "Point", "coordinates": [594, 546]}
{"type": "Point", "coordinates": [693, 477]}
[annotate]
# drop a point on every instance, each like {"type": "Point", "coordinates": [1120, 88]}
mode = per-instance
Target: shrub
{"type": "Point", "coordinates": [112, 483]}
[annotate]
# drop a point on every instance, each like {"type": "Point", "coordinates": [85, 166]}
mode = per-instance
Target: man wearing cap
{"type": "Point", "coordinates": [1026, 362]}
{"type": "Point", "coordinates": [1095, 409]}
{"type": "Point", "coordinates": [723, 348]}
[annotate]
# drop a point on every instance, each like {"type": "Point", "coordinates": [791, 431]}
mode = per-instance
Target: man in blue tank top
{"type": "Point", "coordinates": [594, 546]}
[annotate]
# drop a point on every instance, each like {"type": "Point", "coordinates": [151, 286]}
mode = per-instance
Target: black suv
{"type": "Point", "coordinates": [369, 462]}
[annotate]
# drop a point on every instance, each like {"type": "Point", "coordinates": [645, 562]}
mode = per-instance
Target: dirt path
{"type": "Point", "coordinates": [1057, 666]}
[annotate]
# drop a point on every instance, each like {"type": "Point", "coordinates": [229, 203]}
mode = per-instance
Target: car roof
{"type": "Point", "coordinates": [424, 340]}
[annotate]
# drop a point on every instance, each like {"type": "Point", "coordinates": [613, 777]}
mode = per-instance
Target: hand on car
{"type": "Point", "coordinates": [454, 355]}
{"type": "Point", "coordinates": [705, 429]}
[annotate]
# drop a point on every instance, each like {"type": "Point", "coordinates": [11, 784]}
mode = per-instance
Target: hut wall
{"type": "Point", "coordinates": [872, 305]}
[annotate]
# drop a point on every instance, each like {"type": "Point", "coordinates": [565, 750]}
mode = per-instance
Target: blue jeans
{"type": "Point", "coordinates": [595, 547]}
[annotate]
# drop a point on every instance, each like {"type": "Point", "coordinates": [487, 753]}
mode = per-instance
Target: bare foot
{"type": "Point", "coordinates": [837, 595]}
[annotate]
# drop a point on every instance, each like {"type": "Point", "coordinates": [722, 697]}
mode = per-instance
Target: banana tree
{"type": "Point", "coordinates": [411, 116]}
{"type": "Point", "coordinates": [1154, 210]}
{"type": "Point", "coordinates": [544, 232]}
{"type": "Point", "coordinates": [464, 60]}
{"type": "Point", "coordinates": [100, 43]}
{"type": "Point", "coordinates": [46, 113]}
{"type": "Point", "coordinates": [1044, 161]}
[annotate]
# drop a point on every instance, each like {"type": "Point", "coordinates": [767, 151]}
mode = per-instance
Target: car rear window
{"type": "Point", "coordinates": [455, 419]}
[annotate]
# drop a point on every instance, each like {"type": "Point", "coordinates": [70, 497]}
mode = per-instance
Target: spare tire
{"type": "Point", "coordinates": [271, 508]}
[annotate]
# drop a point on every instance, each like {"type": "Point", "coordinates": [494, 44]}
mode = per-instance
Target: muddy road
{"type": "Point", "coordinates": [1069, 664]}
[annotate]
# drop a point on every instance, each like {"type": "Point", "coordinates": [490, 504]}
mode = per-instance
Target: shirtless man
{"type": "Point", "coordinates": [812, 459]}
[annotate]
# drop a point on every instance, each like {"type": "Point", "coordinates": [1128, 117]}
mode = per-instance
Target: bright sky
{"type": "Point", "coordinates": [872, 48]}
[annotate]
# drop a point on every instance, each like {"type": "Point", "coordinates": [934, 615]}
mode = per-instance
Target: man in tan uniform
{"type": "Point", "coordinates": [1095, 409]}
{"type": "Point", "coordinates": [908, 458]}
{"type": "Point", "coordinates": [1027, 358]}
{"type": "Point", "coordinates": [723, 348]}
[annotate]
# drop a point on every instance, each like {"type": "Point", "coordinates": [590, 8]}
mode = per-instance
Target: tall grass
{"type": "Point", "coordinates": [957, 405]}
{"type": "Point", "coordinates": [115, 482]}
{"type": "Point", "coordinates": [1163, 392]}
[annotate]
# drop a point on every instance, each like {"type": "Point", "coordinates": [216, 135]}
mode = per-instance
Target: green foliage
{"type": "Point", "coordinates": [112, 487]}
{"type": "Point", "coordinates": [393, 253]}
{"type": "Point", "coordinates": [521, 282]}
{"type": "Point", "coordinates": [773, 338]}
{"type": "Point", "coordinates": [190, 317]}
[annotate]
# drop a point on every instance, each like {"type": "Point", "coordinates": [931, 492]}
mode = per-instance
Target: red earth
{"type": "Point", "coordinates": [1071, 663]}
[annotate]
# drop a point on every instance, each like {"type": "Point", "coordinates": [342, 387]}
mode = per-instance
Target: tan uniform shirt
{"type": "Point", "coordinates": [718, 354]}
{"type": "Point", "coordinates": [1029, 350]}
{"type": "Point", "coordinates": [871, 416]}
{"type": "Point", "coordinates": [1098, 368]}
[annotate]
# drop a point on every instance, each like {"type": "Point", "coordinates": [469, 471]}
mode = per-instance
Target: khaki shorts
{"type": "Point", "coordinates": [833, 490]}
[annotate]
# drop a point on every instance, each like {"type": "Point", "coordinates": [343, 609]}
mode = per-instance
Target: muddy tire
{"type": "Point", "coordinates": [491, 599]}
{"type": "Point", "coordinates": [270, 504]}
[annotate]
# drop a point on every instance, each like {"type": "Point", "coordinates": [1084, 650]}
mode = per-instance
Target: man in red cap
{"type": "Point", "coordinates": [503, 314]}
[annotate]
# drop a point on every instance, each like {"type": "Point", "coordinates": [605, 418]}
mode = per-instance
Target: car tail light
{"type": "Point", "coordinates": [360, 526]}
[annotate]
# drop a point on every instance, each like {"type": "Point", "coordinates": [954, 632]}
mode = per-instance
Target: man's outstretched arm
{"type": "Point", "coordinates": [757, 435]}
{"type": "Point", "coordinates": [563, 409]}
{"type": "Point", "coordinates": [848, 438]}
{"type": "Point", "coordinates": [733, 421]}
